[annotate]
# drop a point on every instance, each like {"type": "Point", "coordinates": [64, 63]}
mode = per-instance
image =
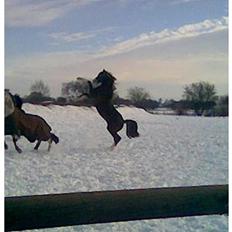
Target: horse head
{"type": "Point", "coordinates": [104, 78]}
{"type": "Point", "coordinates": [103, 85]}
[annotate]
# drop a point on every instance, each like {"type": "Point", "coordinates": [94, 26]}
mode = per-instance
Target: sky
{"type": "Point", "coordinates": [158, 45]}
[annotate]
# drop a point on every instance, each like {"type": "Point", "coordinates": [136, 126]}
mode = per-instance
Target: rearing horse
{"type": "Point", "coordinates": [101, 90]}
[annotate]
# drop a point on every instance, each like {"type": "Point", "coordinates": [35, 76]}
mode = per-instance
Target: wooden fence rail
{"type": "Point", "coordinates": [55, 210]}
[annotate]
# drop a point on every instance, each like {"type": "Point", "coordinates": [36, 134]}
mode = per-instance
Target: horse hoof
{"type": "Point", "coordinates": [19, 150]}
{"type": "Point", "coordinates": [112, 147]}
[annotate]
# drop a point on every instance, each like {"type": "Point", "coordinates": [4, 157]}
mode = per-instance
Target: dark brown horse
{"type": "Point", "coordinates": [101, 90]}
{"type": "Point", "coordinates": [33, 127]}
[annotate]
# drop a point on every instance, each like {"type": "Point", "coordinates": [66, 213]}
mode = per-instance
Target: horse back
{"type": "Point", "coordinates": [33, 126]}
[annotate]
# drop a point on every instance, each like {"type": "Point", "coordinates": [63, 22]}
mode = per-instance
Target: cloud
{"type": "Point", "coordinates": [66, 37]}
{"type": "Point", "coordinates": [175, 2]}
{"type": "Point", "coordinates": [161, 77]}
{"type": "Point", "coordinates": [170, 61]}
{"type": "Point", "coordinates": [22, 13]}
{"type": "Point", "coordinates": [71, 37]}
{"type": "Point", "coordinates": [167, 35]}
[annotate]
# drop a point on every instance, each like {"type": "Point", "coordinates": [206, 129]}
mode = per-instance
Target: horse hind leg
{"type": "Point", "coordinates": [116, 137]}
{"type": "Point", "coordinates": [49, 144]}
{"type": "Point", "coordinates": [39, 142]}
{"type": "Point", "coordinates": [37, 145]}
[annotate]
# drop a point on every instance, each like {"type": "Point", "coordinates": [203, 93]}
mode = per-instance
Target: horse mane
{"type": "Point", "coordinates": [18, 101]}
{"type": "Point", "coordinates": [107, 74]}
{"type": "Point", "coordinates": [106, 78]}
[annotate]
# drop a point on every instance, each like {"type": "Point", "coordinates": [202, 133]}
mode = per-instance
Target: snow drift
{"type": "Point", "coordinates": [171, 151]}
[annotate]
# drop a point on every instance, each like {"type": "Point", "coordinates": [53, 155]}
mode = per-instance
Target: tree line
{"type": "Point", "coordinates": [200, 98]}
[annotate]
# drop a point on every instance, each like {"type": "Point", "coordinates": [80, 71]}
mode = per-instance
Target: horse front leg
{"type": "Point", "coordinates": [16, 146]}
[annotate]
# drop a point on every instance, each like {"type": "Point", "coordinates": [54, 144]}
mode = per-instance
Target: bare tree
{"type": "Point", "coordinates": [40, 87]}
{"type": "Point", "coordinates": [138, 94]}
{"type": "Point", "coordinates": [201, 96]}
{"type": "Point", "coordinates": [73, 89]}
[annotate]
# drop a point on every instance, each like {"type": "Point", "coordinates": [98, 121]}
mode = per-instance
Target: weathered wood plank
{"type": "Point", "coordinates": [55, 210]}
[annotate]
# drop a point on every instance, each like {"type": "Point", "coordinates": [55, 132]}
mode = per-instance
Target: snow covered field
{"type": "Point", "coordinates": [171, 151]}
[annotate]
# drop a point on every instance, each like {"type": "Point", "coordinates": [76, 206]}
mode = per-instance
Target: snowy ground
{"type": "Point", "coordinates": [172, 151]}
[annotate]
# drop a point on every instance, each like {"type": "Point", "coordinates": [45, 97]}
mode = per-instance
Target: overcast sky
{"type": "Point", "coordinates": [159, 45]}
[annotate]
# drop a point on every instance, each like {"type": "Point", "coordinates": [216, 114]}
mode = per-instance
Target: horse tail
{"type": "Point", "coordinates": [131, 128]}
{"type": "Point", "coordinates": [54, 138]}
